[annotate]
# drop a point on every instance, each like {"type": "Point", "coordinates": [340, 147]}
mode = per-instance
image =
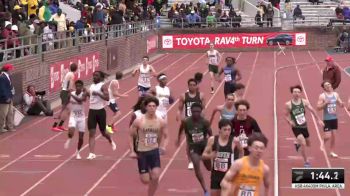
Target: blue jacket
{"type": "Point", "coordinates": [5, 89]}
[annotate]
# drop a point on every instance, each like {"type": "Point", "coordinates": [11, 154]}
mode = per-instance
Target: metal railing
{"type": "Point", "coordinates": [316, 21]}
{"type": "Point", "coordinates": [36, 44]}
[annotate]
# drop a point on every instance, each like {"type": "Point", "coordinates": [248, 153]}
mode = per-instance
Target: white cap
{"type": "Point", "coordinates": [7, 23]}
{"type": "Point", "coordinates": [14, 28]}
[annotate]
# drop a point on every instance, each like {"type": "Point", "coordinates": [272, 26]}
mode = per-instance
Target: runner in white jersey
{"type": "Point", "coordinates": [145, 71]}
{"type": "Point", "coordinates": [67, 87]}
{"type": "Point", "coordinates": [77, 116]}
{"type": "Point", "coordinates": [163, 94]}
{"type": "Point", "coordinates": [214, 58]}
{"type": "Point", "coordinates": [98, 93]}
{"type": "Point", "coordinates": [113, 91]}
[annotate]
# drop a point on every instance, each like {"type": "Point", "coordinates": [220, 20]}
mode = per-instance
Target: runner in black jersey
{"type": "Point", "coordinates": [231, 75]}
{"type": "Point", "coordinates": [197, 129]}
{"type": "Point", "coordinates": [187, 99]}
{"type": "Point", "coordinates": [220, 149]}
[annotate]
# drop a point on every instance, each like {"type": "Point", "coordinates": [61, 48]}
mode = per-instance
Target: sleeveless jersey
{"type": "Point", "coordinates": [76, 109]}
{"type": "Point", "coordinates": [223, 160]}
{"type": "Point", "coordinates": [65, 81]}
{"type": "Point", "coordinates": [330, 111]}
{"type": "Point", "coordinates": [96, 102]}
{"type": "Point", "coordinates": [196, 132]}
{"type": "Point", "coordinates": [213, 57]}
{"type": "Point", "coordinates": [229, 74]}
{"type": "Point", "coordinates": [297, 113]}
{"type": "Point", "coordinates": [145, 76]}
{"type": "Point", "coordinates": [242, 129]}
{"type": "Point", "coordinates": [189, 101]}
{"type": "Point", "coordinates": [148, 134]}
{"type": "Point", "coordinates": [163, 95]}
{"type": "Point", "coordinates": [110, 91]}
{"type": "Point", "coordinates": [249, 179]}
{"type": "Point", "coordinates": [227, 114]}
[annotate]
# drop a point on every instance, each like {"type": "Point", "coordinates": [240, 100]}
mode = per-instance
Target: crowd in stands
{"type": "Point", "coordinates": [21, 22]}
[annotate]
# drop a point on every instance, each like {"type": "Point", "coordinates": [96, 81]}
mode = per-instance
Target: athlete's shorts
{"type": "Point", "coordinates": [77, 123]}
{"type": "Point", "coordinates": [229, 88]}
{"type": "Point", "coordinates": [197, 148]}
{"type": "Point", "coordinates": [97, 117]}
{"type": "Point", "coordinates": [142, 89]}
{"type": "Point", "coordinates": [215, 181]}
{"type": "Point", "coordinates": [114, 107]}
{"type": "Point", "coordinates": [213, 68]}
{"type": "Point", "coordinates": [301, 130]}
{"type": "Point", "coordinates": [64, 95]}
{"type": "Point", "coordinates": [330, 125]}
{"type": "Point", "coordinates": [148, 160]}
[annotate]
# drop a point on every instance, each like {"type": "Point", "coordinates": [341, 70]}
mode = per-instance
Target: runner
{"type": "Point", "coordinates": [231, 75]}
{"type": "Point", "coordinates": [187, 99]}
{"type": "Point", "coordinates": [150, 131]}
{"type": "Point", "coordinates": [214, 58]}
{"type": "Point", "coordinates": [145, 70]}
{"type": "Point", "coordinates": [239, 93]}
{"type": "Point", "coordinates": [243, 125]}
{"type": "Point", "coordinates": [163, 94]}
{"type": "Point", "coordinates": [327, 102]}
{"type": "Point", "coordinates": [248, 174]}
{"type": "Point", "coordinates": [113, 91]}
{"type": "Point", "coordinates": [67, 88]}
{"type": "Point", "coordinates": [220, 149]}
{"type": "Point", "coordinates": [227, 111]}
{"type": "Point", "coordinates": [77, 116]}
{"type": "Point", "coordinates": [197, 129]}
{"type": "Point", "coordinates": [295, 116]}
{"type": "Point", "coordinates": [98, 93]}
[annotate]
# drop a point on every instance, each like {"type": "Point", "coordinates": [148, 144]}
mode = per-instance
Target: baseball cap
{"type": "Point", "coordinates": [17, 7]}
{"type": "Point", "coordinates": [7, 67]}
{"type": "Point", "coordinates": [329, 59]}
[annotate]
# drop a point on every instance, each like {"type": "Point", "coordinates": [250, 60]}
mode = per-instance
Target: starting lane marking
{"type": "Point", "coordinates": [4, 156]}
{"type": "Point", "coordinates": [183, 190]}
{"type": "Point", "coordinates": [47, 156]}
{"type": "Point", "coordinates": [24, 172]}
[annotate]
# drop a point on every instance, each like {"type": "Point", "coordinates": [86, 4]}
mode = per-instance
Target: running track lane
{"type": "Point", "coordinates": [91, 171]}
{"type": "Point", "coordinates": [287, 156]}
{"type": "Point", "coordinates": [190, 186]}
{"type": "Point", "coordinates": [37, 166]}
{"type": "Point", "coordinates": [125, 176]}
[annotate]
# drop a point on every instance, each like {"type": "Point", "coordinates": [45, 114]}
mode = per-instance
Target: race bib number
{"type": "Point", "coordinates": [300, 118]}
{"type": "Point", "coordinates": [197, 137]}
{"type": "Point", "coordinates": [78, 113]}
{"type": "Point", "coordinates": [228, 78]}
{"type": "Point", "coordinates": [332, 108]}
{"type": "Point", "coordinates": [213, 61]}
{"type": "Point", "coordinates": [243, 139]}
{"type": "Point", "coordinates": [246, 191]}
{"type": "Point", "coordinates": [151, 139]}
{"type": "Point", "coordinates": [188, 110]}
{"type": "Point", "coordinates": [220, 164]}
{"type": "Point", "coordinates": [145, 79]}
{"type": "Point", "coordinates": [165, 102]}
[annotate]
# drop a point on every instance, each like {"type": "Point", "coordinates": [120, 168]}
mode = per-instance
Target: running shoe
{"type": "Point", "coordinates": [56, 129]}
{"type": "Point", "coordinates": [109, 129]}
{"type": "Point", "coordinates": [91, 156]}
{"type": "Point", "coordinates": [297, 146]}
{"type": "Point", "coordinates": [206, 193]}
{"type": "Point", "coordinates": [212, 92]}
{"type": "Point", "coordinates": [62, 128]}
{"type": "Point", "coordinates": [66, 145]}
{"type": "Point", "coordinates": [78, 157]}
{"type": "Point", "coordinates": [190, 165]}
{"type": "Point", "coordinates": [332, 154]}
{"type": "Point", "coordinates": [307, 164]}
{"type": "Point", "coordinates": [114, 147]}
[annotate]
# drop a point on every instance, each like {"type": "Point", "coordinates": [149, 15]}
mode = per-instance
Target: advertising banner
{"type": "Point", "coordinates": [87, 64]}
{"type": "Point", "coordinates": [232, 40]}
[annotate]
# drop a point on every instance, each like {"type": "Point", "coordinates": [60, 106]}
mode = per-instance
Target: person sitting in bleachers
{"type": "Point", "coordinates": [339, 12]}
{"type": "Point", "coordinates": [258, 19]}
{"type": "Point", "coordinates": [297, 13]}
{"type": "Point", "coordinates": [34, 102]}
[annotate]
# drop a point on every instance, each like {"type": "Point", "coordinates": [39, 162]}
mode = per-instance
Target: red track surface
{"type": "Point", "coordinates": [33, 161]}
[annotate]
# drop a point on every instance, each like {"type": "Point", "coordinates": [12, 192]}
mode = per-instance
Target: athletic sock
{"type": "Point", "coordinates": [212, 88]}
{"type": "Point", "coordinates": [54, 124]}
{"type": "Point", "coordinates": [61, 123]}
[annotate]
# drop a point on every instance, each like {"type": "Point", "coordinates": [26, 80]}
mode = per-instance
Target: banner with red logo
{"type": "Point", "coordinates": [152, 44]}
{"type": "Point", "coordinates": [232, 40]}
{"type": "Point", "coordinates": [87, 64]}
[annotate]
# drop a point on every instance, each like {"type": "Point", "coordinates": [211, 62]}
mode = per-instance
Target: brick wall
{"type": "Point", "coordinates": [34, 70]}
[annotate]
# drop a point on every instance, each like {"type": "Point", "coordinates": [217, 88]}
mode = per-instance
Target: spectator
{"type": "Point", "coordinates": [211, 20]}
{"type": "Point", "coordinates": [48, 36]}
{"type": "Point", "coordinates": [34, 102]}
{"type": "Point", "coordinates": [269, 15]}
{"type": "Point", "coordinates": [232, 14]}
{"type": "Point", "coordinates": [339, 12]}
{"type": "Point", "coordinates": [6, 103]}
{"type": "Point", "coordinates": [18, 15]}
{"type": "Point", "coordinates": [241, 4]}
{"type": "Point", "coordinates": [44, 12]}
{"type": "Point", "coordinates": [331, 73]}
{"type": "Point", "coordinates": [117, 17]}
{"type": "Point", "coordinates": [297, 13]}
{"type": "Point", "coordinates": [258, 19]}
{"type": "Point", "coordinates": [225, 20]}
{"type": "Point", "coordinates": [171, 13]}
{"type": "Point", "coordinates": [346, 13]}
{"type": "Point", "coordinates": [32, 7]}
{"type": "Point", "coordinates": [98, 17]}
{"type": "Point", "coordinates": [237, 21]}
{"type": "Point", "coordinates": [288, 8]}
{"type": "Point", "coordinates": [53, 7]}
{"type": "Point", "coordinates": [85, 10]}
{"type": "Point", "coordinates": [60, 20]}
{"type": "Point", "coordinates": [193, 19]}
